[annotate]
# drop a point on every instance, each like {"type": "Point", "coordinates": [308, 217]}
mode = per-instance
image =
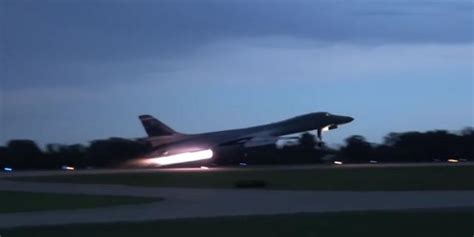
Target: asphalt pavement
{"type": "Point", "coordinates": [192, 203]}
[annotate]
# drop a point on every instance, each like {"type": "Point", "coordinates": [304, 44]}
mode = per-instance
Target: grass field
{"type": "Point", "coordinates": [27, 201]}
{"type": "Point", "coordinates": [403, 223]}
{"type": "Point", "coordinates": [357, 179]}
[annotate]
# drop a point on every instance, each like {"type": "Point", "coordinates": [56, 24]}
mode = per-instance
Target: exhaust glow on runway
{"type": "Point", "coordinates": [182, 157]}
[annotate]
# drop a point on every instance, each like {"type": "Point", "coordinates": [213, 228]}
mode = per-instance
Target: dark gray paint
{"type": "Point", "coordinates": [178, 142]}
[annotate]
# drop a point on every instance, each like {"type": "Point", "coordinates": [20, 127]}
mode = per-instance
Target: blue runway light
{"type": "Point", "coordinates": [7, 169]}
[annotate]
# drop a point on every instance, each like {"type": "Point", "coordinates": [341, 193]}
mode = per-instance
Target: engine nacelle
{"type": "Point", "coordinates": [260, 141]}
{"type": "Point", "coordinates": [287, 142]}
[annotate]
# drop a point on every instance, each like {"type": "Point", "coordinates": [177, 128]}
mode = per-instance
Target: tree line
{"type": "Point", "coordinates": [437, 145]}
{"type": "Point", "coordinates": [26, 154]}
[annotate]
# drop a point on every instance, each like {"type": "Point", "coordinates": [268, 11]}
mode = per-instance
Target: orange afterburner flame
{"type": "Point", "coordinates": [182, 157]}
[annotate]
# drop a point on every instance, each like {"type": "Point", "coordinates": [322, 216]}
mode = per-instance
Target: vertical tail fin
{"type": "Point", "coordinates": [154, 127]}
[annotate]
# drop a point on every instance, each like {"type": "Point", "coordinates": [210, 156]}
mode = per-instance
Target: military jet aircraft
{"type": "Point", "coordinates": [172, 147]}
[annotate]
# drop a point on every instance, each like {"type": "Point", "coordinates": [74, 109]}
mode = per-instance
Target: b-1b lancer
{"type": "Point", "coordinates": [172, 147]}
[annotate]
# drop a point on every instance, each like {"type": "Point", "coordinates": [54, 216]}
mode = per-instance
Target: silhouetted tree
{"type": "Point", "coordinates": [397, 147]}
{"type": "Point", "coordinates": [467, 143]}
{"type": "Point", "coordinates": [4, 161]}
{"type": "Point", "coordinates": [383, 153]}
{"type": "Point", "coordinates": [357, 149]}
{"type": "Point", "coordinates": [428, 146]}
{"type": "Point", "coordinates": [24, 153]}
{"type": "Point", "coordinates": [72, 155]}
{"type": "Point", "coordinates": [113, 151]}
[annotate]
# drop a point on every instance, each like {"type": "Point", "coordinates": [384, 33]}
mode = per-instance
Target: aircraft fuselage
{"type": "Point", "coordinates": [178, 143]}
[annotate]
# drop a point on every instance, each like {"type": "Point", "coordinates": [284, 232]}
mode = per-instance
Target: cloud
{"type": "Point", "coordinates": [43, 41]}
{"type": "Point", "coordinates": [245, 82]}
{"type": "Point", "coordinates": [273, 60]}
{"type": "Point", "coordinates": [71, 63]}
{"type": "Point", "coordinates": [260, 62]}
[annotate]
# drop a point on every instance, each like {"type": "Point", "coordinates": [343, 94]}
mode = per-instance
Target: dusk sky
{"type": "Point", "coordinates": [75, 71]}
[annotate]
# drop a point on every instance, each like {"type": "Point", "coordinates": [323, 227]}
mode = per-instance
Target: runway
{"type": "Point", "coordinates": [192, 203]}
{"type": "Point", "coordinates": [35, 173]}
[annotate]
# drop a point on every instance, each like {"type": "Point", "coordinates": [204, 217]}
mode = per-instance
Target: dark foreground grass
{"type": "Point", "coordinates": [357, 179]}
{"type": "Point", "coordinates": [26, 201]}
{"type": "Point", "coordinates": [387, 224]}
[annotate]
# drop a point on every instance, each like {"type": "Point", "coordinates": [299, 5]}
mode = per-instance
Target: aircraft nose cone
{"type": "Point", "coordinates": [346, 119]}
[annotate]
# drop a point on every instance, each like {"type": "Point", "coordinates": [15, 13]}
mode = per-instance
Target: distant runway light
{"type": "Point", "coordinates": [338, 162]}
{"type": "Point", "coordinates": [7, 169]}
{"type": "Point", "coordinates": [70, 168]}
{"type": "Point", "coordinates": [453, 161]}
{"type": "Point", "coordinates": [182, 157]}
